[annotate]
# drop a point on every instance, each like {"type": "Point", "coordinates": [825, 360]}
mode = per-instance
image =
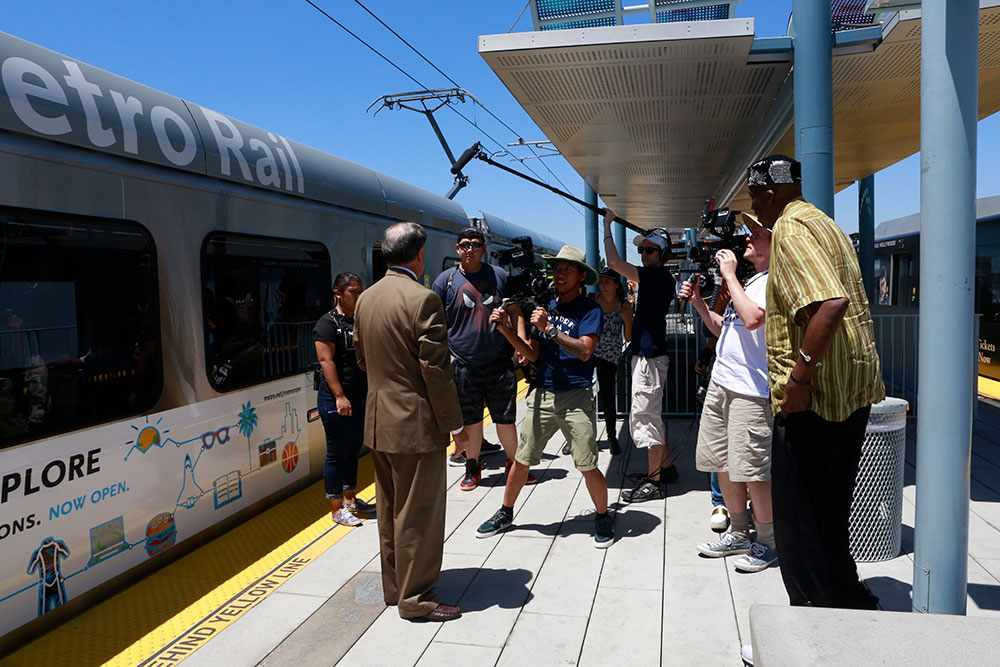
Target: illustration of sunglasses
{"type": "Point", "coordinates": [209, 439]}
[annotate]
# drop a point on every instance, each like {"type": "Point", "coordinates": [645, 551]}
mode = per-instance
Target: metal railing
{"type": "Point", "coordinates": [20, 348]}
{"type": "Point", "coordinates": [896, 339]}
{"type": "Point", "coordinates": [288, 347]}
{"type": "Point", "coordinates": [567, 14]}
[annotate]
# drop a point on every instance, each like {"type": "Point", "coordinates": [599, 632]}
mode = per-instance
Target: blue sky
{"type": "Point", "coordinates": [285, 67]}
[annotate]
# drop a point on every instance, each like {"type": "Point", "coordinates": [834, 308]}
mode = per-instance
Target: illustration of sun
{"type": "Point", "coordinates": [149, 436]}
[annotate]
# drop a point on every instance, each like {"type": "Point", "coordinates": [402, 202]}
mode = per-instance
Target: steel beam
{"type": "Point", "coordinates": [620, 244]}
{"type": "Point", "coordinates": [948, 110]}
{"type": "Point", "coordinates": [812, 46]}
{"type": "Point", "coordinates": [593, 236]}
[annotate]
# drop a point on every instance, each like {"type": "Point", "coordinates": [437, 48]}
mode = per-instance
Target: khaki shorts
{"type": "Point", "coordinates": [649, 382]}
{"type": "Point", "coordinates": [570, 411]}
{"type": "Point", "coordinates": [735, 435]}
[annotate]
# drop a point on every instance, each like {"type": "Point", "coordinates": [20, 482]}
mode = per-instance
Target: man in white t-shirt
{"type": "Point", "coordinates": [734, 437]}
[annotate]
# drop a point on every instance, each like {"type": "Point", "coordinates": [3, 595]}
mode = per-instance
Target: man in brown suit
{"type": "Point", "coordinates": [401, 339]}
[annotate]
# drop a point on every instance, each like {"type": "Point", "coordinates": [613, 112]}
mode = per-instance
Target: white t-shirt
{"type": "Point", "coordinates": [741, 355]}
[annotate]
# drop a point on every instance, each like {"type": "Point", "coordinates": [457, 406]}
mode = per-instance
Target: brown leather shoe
{"type": "Point", "coordinates": [440, 614]}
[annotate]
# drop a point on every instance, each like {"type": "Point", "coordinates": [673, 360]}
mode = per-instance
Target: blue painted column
{"type": "Point", "coordinates": [949, 62]}
{"type": "Point", "coordinates": [593, 237]}
{"type": "Point", "coordinates": [866, 235]}
{"type": "Point", "coordinates": [812, 47]}
{"type": "Point", "coordinates": [620, 243]}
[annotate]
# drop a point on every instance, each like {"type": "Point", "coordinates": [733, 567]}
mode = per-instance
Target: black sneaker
{"type": "Point", "coordinates": [500, 521]}
{"type": "Point", "coordinates": [604, 530]}
{"type": "Point", "coordinates": [566, 450]}
{"type": "Point", "coordinates": [647, 489]}
{"type": "Point", "coordinates": [668, 475]}
{"type": "Point", "coordinates": [489, 448]}
{"type": "Point", "coordinates": [458, 460]}
{"type": "Point", "coordinates": [613, 444]}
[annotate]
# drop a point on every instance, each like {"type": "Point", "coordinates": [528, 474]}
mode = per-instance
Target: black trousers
{"type": "Point", "coordinates": [814, 463]}
{"type": "Point", "coordinates": [607, 380]}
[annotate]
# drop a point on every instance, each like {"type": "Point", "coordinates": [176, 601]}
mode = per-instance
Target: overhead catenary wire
{"type": "Point", "coordinates": [523, 9]}
{"type": "Point", "coordinates": [456, 84]}
{"type": "Point", "coordinates": [422, 85]}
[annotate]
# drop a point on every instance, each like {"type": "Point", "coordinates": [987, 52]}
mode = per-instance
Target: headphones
{"type": "Point", "coordinates": [661, 233]}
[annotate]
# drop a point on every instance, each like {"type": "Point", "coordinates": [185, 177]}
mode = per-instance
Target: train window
{"type": "Point", "coordinates": [262, 297]}
{"type": "Point", "coordinates": [988, 283]}
{"type": "Point", "coordinates": [79, 328]}
{"type": "Point", "coordinates": [904, 281]}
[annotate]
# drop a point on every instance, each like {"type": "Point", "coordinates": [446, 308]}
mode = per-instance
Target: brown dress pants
{"type": "Point", "coordinates": [410, 501]}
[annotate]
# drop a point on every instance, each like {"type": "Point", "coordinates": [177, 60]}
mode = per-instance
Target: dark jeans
{"type": "Point", "coordinates": [344, 437]}
{"type": "Point", "coordinates": [814, 463]}
{"type": "Point", "coordinates": [607, 379]}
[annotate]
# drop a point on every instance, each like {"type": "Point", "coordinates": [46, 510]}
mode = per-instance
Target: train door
{"type": "Point", "coordinates": [904, 280]}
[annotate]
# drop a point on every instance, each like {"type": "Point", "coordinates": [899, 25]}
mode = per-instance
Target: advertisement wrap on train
{"type": "Point", "coordinates": [152, 482]}
{"type": "Point", "coordinates": [162, 266]}
{"type": "Point", "coordinates": [58, 98]}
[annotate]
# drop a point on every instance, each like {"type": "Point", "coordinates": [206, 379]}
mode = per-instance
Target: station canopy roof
{"type": "Point", "coordinates": [657, 118]}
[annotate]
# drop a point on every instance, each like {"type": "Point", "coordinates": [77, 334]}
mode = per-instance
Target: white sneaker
{"type": "Point", "coordinates": [720, 519]}
{"type": "Point", "coordinates": [344, 517]}
{"type": "Point", "coordinates": [758, 558]}
{"type": "Point", "coordinates": [747, 654]}
{"type": "Point", "coordinates": [730, 544]}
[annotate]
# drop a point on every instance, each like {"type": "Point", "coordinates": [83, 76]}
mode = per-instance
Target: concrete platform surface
{"type": "Point", "coordinates": [542, 594]}
{"type": "Point", "coordinates": [784, 635]}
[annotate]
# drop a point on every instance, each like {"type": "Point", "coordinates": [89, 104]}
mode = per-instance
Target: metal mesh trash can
{"type": "Point", "coordinates": [877, 507]}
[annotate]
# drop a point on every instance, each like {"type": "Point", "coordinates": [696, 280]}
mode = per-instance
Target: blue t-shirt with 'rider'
{"type": "Point", "coordinates": [557, 369]}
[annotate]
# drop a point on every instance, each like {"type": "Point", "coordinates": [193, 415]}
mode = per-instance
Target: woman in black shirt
{"type": "Point", "coordinates": [341, 401]}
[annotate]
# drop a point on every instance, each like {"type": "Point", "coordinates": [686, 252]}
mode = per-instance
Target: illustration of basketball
{"type": "Point", "coordinates": [289, 457]}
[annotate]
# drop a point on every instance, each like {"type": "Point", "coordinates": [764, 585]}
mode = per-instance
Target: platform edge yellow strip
{"type": "Point", "coordinates": [989, 387]}
{"type": "Point", "coordinates": [188, 630]}
{"type": "Point", "coordinates": [188, 641]}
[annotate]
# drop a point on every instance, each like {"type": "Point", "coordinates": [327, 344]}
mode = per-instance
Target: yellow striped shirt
{"type": "Point", "coordinates": [813, 260]}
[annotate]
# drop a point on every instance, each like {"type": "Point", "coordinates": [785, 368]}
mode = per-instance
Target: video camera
{"type": "Point", "coordinates": [530, 282]}
{"type": "Point", "coordinates": [722, 224]}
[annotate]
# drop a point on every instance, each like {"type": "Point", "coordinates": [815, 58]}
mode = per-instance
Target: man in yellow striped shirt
{"type": "Point", "coordinates": [824, 375]}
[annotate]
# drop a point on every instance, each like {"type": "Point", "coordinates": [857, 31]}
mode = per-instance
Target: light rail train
{"type": "Point", "coordinates": [161, 269]}
{"type": "Point", "coordinates": [897, 274]}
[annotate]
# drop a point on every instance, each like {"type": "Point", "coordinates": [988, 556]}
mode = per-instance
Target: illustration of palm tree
{"type": "Point", "coordinates": [247, 421]}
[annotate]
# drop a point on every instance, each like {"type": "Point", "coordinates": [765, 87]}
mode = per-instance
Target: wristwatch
{"type": "Point", "coordinates": [551, 332]}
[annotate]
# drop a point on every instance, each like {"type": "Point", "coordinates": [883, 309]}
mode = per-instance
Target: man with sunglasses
{"type": "Point", "coordinates": [649, 355]}
{"type": "Point", "coordinates": [481, 358]}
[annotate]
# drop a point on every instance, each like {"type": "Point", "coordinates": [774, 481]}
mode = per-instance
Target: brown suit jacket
{"type": "Point", "coordinates": [401, 339]}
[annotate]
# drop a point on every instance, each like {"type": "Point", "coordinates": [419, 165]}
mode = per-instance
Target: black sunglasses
{"type": "Point", "coordinates": [470, 246]}
{"type": "Point", "coordinates": [643, 249]}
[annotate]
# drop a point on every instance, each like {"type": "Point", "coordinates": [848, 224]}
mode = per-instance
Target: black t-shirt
{"type": "Point", "coordinates": [468, 300]}
{"type": "Point", "coordinates": [649, 329]}
{"type": "Point", "coordinates": [339, 330]}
